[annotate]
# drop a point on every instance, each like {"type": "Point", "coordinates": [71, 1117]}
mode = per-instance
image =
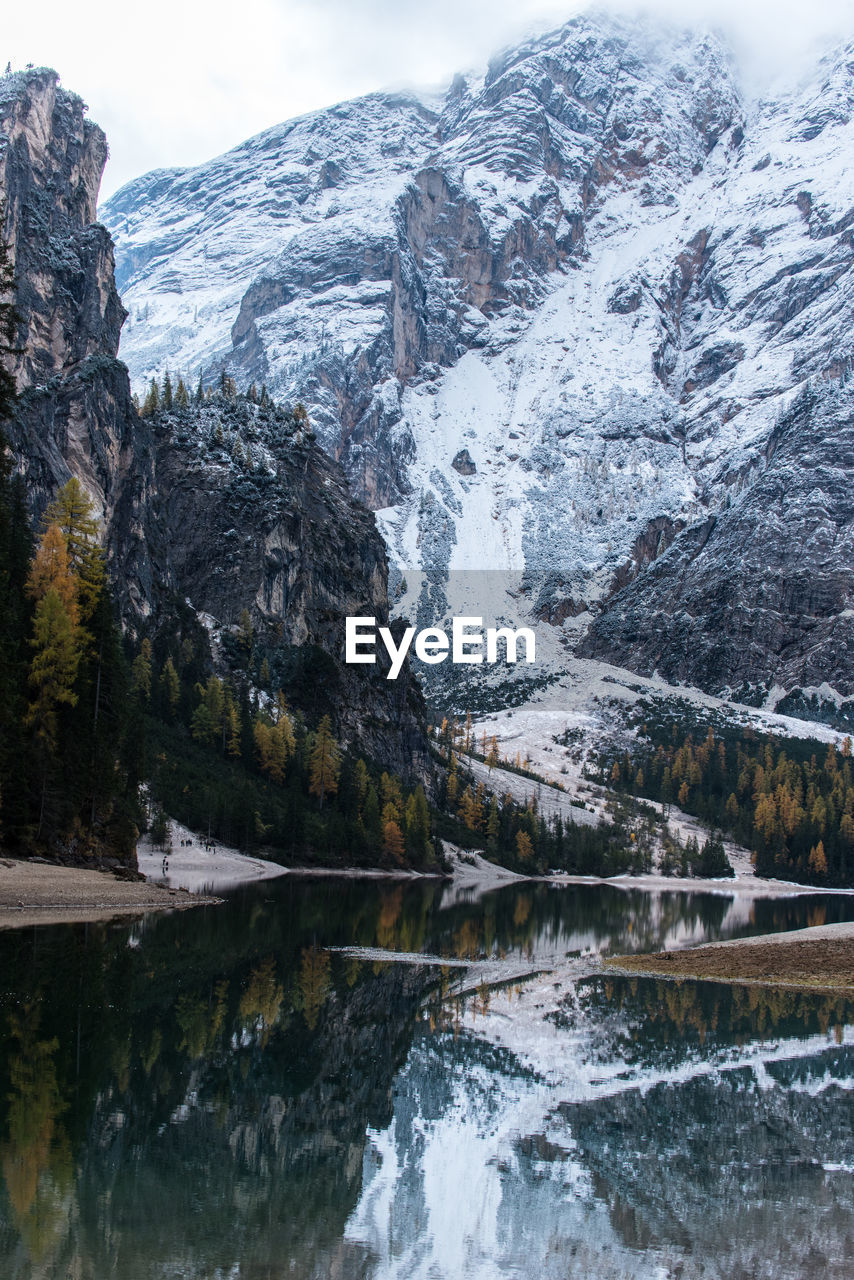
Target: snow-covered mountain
{"type": "Point", "coordinates": [558, 322]}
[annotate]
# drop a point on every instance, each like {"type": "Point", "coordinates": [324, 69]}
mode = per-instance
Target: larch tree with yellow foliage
{"type": "Point", "coordinates": [56, 635]}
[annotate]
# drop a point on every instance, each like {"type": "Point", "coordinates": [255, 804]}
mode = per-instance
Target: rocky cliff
{"type": "Point", "coordinates": [600, 273]}
{"type": "Point", "coordinates": [75, 413]}
{"type": "Point", "coordinates": [761, 590]}
{"type": "Point", "coordinates": [230, 506]}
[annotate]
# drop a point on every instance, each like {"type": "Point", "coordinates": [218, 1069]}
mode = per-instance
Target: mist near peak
{"type": "Point", "coordinates": [189, 83]}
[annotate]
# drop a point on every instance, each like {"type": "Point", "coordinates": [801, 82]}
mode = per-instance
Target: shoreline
{"type": "Point", "coordinates": [191, 864]}
{"type": "Point", "coordinates": [817, 958]}
{"type": "Point", "coordinates": [38, 893]}
{"type": "Point", "coordinates": [748, 886]}
{"type": "Point", "coordinates": [46, 893]}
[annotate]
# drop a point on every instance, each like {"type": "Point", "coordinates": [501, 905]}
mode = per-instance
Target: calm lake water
{"type": "Point", "coordinates": [218, 1095]}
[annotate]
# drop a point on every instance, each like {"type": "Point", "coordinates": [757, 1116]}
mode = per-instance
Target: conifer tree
{"type": "Point", "coordinates": [393, 846]}
{"type": "Point", "coordinates": [452, 789]}
{"type": "Point", "coordinates": [151, 403]}
{"type": "Point", "coordinates": [371, 815]}
{"type": "Point", "coordinates": [141, 671]}
{"type": "Point", "coordinates": [493, 826]}
{"type": "Point", "coordinates": [324, 762]}
{"type": "Point", "coordinates": [170, 688]}
{"type": "Point", "coordinates": [818, 861]}
{"type": "Point", "coordinates": [72, 511]}
{"type": "Point", "coordinates": [524, 847]}
{"type": "Point", "coordinates": [234, 743]}
{"type": "Point", "coordinates": [361, 782]}
{"type": "Point", "coordinates": [391, 796]}
{"type": "Point", "coordinates": [417, 814]}
{"type": "Point", "coordinates": [54, 666]}
{"type": "Point", "coordinates": [51, 570]}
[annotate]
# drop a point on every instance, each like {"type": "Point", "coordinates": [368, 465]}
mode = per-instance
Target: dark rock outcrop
{"type": "Point", "coordinates": [75, 413]}
{"type": "Point", "coordinates": [233, 506]}
{"type": "Point", "coordinates": [761, 593]}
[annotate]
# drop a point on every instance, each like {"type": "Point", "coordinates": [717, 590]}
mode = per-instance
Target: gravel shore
{"type": "Point", "coordinates": [41, 893]}
{"type": "Point", "coordinates": [820, 958]}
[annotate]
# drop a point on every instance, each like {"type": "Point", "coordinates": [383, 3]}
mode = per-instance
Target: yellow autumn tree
{"type": "Point", "coordinates": [72, 511]}
{"type": "Point", "coordinates": [56, 635]}
{"type": "Point", "coordinates": [818, 860]}
{"type": "Point", "coordinates": [393, 844]}
{"type": "Point", "coordinates": [524, 847]}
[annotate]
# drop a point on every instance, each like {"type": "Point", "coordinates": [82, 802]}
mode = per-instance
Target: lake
{"type": "Point", "coordinates": [252, 1091]}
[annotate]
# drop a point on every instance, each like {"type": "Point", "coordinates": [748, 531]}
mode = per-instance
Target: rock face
{"type": "Point", "coordinates": [550, 322]}
{"type": "Point", "coordinates": [233, 506]}
{"type": "Point", "coordinates": [761, 591]}
{"type": "Point", "coordinates": [75, 413]}
{"type": "Point", "coordinates": [263, 521]}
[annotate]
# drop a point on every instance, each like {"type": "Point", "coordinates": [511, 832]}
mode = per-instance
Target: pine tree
{"type": "Point", "coordinates": [371, 820]}
{"type": "Point", "coordinates": [141, 671]}
{"type": "Point", "coordinates": [234, 740]}
{"type": "Point", "coordinates": [170, 688]}
{"type": "Point", "coordinates": [167, 391]}
{"type": "Point", "coordinates": [453, 782]}
{"type": "Point", "coordinates": [324, 762]}
{"type": "Point", "coordinates": [361, 782]}
{"type": "Point", "coordinates": [493, 826]}
{"type": "Point", "coordinates": [391, 796]}
{"type": "Point", "coordinates": [151, 403]}
{"type": "Point", "coordinates": [418, 824]}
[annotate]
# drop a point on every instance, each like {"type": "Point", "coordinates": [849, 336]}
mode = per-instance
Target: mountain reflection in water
{"type": "Point", "coordinates": [215, 1094]}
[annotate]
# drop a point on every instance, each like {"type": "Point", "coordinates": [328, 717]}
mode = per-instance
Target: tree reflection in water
{"type": "Point", "coordinates": [196, 1094]}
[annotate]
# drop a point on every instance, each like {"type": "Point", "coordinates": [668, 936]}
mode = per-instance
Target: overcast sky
{"type": "Point", "coordinates": [175, 82]}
